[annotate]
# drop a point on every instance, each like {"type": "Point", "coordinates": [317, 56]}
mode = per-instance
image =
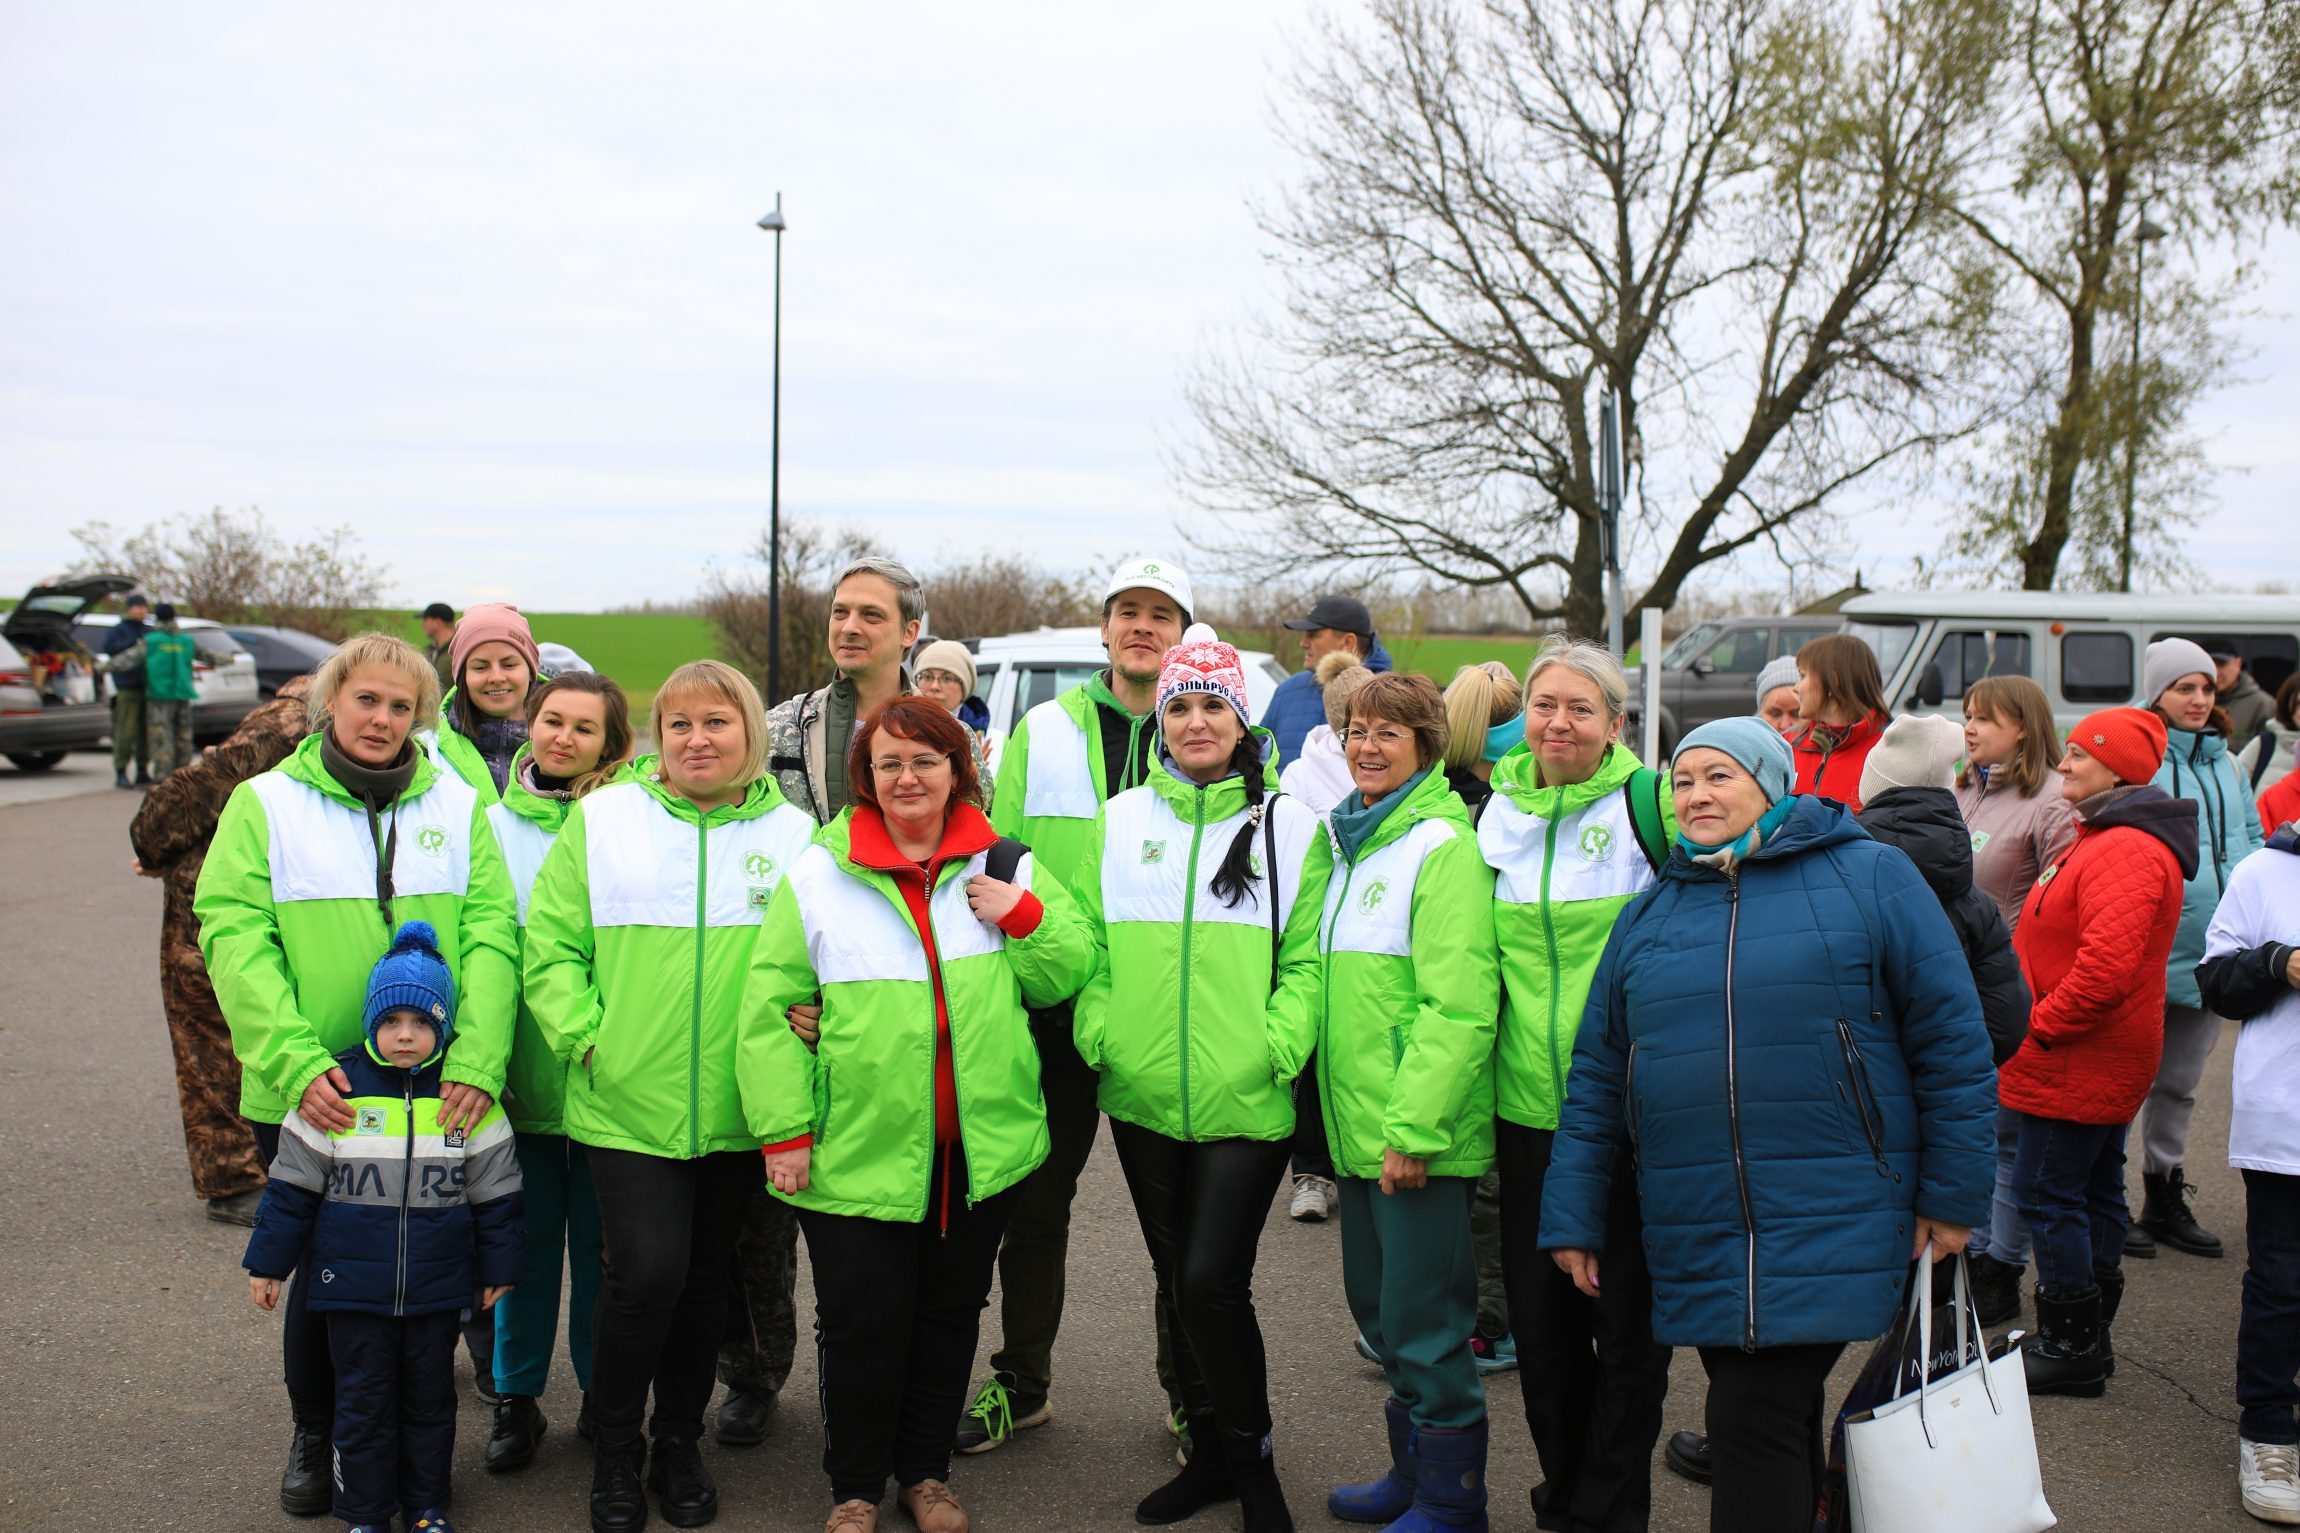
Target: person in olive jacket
{"type": "Point", "coordinates": [1405, 1040]}
{"type": "Point", "coordinates": [1784, 1037]}
{"type": "Point", "coordinates": [639, 934]}
{"type": "Point", "coordinates": [925, 959]}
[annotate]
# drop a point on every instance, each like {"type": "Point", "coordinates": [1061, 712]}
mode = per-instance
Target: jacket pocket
{"type": "Point", "coordinates": [1861, 1097]}
{"type": "Point", "coordinates": [823, 1107]}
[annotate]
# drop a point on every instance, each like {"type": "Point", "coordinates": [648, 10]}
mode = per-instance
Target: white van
{"type": "Point", "coordinates": [2084, 649]}
{"type": "Point", "coordinates": [1015, 672]}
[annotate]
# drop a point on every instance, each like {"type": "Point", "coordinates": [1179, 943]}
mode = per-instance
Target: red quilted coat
{"type": "Point", "coordinates": [2093, 938]}
{"type": "Point", "coordinates": [1829, 761]}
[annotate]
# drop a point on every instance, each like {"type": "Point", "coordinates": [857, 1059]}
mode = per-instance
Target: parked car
{"type": "Point", "coordinates": [2085, 650]}
{"type": "Point", "coordinates": [1711, 671]}
{"type": "Point", "coordinates": [281, 654]}
{"type": "Point", "coordinates": [1014, 673]}
{"type": "Point", "coordinates": [50, 703]}
{"type": "Point", "coordinates": [224, 685]}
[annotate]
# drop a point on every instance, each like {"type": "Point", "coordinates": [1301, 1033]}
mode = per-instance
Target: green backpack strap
{"type": "Point", "coordinates": [1642, 793]}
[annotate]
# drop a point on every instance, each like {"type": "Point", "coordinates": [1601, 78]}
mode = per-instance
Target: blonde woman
{"type": "Point", "coordinates": [1484, 721]}
{"type": "Point", "coordinates": [639, 933]}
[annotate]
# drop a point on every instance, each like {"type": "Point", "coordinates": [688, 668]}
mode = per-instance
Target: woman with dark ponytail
{"type": "Point", "coordinates": [1203, 1005]}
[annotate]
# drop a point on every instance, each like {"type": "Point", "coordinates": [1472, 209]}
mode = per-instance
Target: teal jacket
{"type": "Point", "coordinates": [2198, 767]}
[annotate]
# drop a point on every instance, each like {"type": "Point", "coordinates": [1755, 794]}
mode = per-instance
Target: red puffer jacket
{"type": "Point", "coordinates": [2093, 939]}
{"type": "Point", "coordinates": [1829, 761]}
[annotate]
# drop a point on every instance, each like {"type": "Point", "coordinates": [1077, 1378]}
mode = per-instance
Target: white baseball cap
{"type": "Point", "coordinates": [1152, 575]}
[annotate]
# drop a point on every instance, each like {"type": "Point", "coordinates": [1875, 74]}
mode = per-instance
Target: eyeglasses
{"type": "Point", "coordinates": [1387, 739]}
{"type": "Point", "coordinates": [917, 766]}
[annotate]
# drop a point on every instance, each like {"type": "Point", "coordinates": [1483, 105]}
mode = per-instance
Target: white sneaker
{"type": "Point", "coordinates": [2269, 1476]}
{"type": "Point", "coordinates": [1314, 1199]}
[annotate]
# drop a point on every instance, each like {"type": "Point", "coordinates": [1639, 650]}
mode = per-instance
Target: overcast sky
{"type": "Point", "coordinates": [482, 281]}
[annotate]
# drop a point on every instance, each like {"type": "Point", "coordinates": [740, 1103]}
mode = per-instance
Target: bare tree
{"type": "Point", "coordinates": [229, 566]}
{"type": "Point", "coordinates": [735, 602]}
{"type": "Point", "coordinates": [1730, 213]}
{"type": "Point", "coordinates": [1005, 593]}
{"type": "Point", "coordinates": [2180, 112]}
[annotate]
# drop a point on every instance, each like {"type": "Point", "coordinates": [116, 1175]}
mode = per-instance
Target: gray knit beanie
{"type": "Point", "coordinates": [2168, 661]}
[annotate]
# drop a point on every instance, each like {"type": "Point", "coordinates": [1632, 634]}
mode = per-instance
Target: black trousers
{"type": "Point", "coordinates": [1202, 1207]}
{"type": "Point", "coordinates": [306, 1364]}
{"type": "Point", "coordinates": [898, 1309]}
{"type": "Point", "coordinates": [1593, 1377]}
{"type": "Point", "coordinates": [1033, 1263]}
{"type": "Point", "coordinates": [1766, 1413]}
{"type": "Point", "coordinates": [668, 1229]}
{"type": "Point", "coordinates": [395, 1414]}
{"type": "Point", "coordinates": [1312, 1155]}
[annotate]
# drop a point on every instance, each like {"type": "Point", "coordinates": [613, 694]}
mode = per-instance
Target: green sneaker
{"type": "Point", "coordinates": [1178, 1425]}
{"type": "Point", "coordinates": [998, 1412]}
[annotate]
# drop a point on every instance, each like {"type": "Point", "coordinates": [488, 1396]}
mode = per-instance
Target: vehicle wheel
{"type": "Point", "coordinates": [35, 761]}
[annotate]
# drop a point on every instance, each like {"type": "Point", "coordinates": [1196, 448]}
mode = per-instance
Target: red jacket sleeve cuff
{"type": "Point", "coordinates": [804, 1141]}
{"type": "Point", "coordinates": [1023, 919]}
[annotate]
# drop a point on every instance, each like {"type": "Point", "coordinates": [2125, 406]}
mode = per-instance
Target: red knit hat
{"type": "Point", "coordinates": [2128, 741]}
{"type": "Point", "coordinates": [485, 624]}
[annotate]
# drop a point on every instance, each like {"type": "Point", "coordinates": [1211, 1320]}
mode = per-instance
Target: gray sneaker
{"type": "Point", "coordinates": [998, 1412]}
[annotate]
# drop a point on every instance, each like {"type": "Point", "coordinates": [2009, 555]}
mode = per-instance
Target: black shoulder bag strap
{"type": "Point", "coordinates": [1004, 859]}
{"type": "Point", "coordinates": [1270, 861]}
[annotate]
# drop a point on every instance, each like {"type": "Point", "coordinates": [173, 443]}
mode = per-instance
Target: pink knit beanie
{"type": "Point", "coordinates": [1203, 663]}
{"type": "Point", "coordinates": [485, 624]}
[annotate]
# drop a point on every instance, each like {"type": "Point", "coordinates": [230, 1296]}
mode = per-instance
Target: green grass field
{"type": "Point", "coordinates": [638, 649]}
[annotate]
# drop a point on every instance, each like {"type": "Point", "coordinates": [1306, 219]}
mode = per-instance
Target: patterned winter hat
{"type": "Point", "coordinates": [412, 975]}
{"type": "Point", "coordinates": [1203, 663]}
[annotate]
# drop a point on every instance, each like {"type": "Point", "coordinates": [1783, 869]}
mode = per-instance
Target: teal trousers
{"type": "Point", "coordinates": [562, 1236]}
{"type": "Point", "coordinates": [1411, 1281]}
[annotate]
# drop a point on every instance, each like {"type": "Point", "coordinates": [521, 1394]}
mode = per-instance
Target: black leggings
{"type": "Point", "coordinates": [1766, 1410]}
{"type": "Point", "coordinates": [668, 1230]}
{"type": "Point", "coordinates": [308, 1366]}
{"type": "Point", "coordinates": [1202, 1207]}
{"type": "Point", "coordinates": [898, 1310]}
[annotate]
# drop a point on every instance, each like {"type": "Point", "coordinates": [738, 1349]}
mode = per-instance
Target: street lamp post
{"type": "Point", "coordinates": [2140, 238]}
{"type": "Point", "coordinates": [774, 225]}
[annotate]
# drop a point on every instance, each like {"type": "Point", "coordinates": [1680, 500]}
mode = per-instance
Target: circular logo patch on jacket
{"type": "Point", "coordinates": [1376, 892]}
{"type": "Point", "coordinates": [759, 866]}
{"type": "Point", "coordinates": [1596, 842]}
{"type": "Point", "coordinates": [431, 840]}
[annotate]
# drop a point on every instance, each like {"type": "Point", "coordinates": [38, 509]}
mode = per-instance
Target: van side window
{"type": "Point", "coordinates": [1965, 656]}
{"type": "Point", "coordinates": [2096, 668]}
{"type": "Point", "coordinates": [1741, 652]}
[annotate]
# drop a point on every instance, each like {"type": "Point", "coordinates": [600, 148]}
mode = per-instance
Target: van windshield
{"type": "Point", "coordinates": [1690, 643]}
{"type": "Point", "coordinates": [1891, 642]}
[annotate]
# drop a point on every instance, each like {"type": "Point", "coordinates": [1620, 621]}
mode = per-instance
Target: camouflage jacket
{"type": "Point", "coordinates": [799, 749]}
{"type": "Point", "coordinates": [178, 817]}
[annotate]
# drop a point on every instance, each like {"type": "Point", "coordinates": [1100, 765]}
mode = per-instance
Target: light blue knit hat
{"type": "Point", "coordinates": [1760, 749]}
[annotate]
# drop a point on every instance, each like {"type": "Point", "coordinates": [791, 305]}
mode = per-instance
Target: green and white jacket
{"type": "Point", "coordinates": [1406, 1020]}
{"type": "Point", "coordinates": [1565, 861]}
{"type": "Point", "coordinates": [458, 753]}
{"type": "Point", "coordinates": [1051, 776]}
{"type": "Point", "coordinates": [639, 934]}
{"type": "Point", "coordinates": [866, 1092]}
{"type": "Point", "coordinates": [525, 824]}
{"type": "Point", "coordinates": [291, 923]}
{"type": "Point", "coordinates": [1180, 1017]}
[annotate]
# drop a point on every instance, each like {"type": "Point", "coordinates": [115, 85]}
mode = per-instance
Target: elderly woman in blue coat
{"type": "Point", "coordinates": [1784, 1034]}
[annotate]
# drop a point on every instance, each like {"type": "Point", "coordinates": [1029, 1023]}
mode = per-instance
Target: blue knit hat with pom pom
{"type": "Point", "coordinates": [413, 975]}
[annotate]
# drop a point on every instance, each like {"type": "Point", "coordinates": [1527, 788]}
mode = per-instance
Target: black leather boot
{"type": "Point", "coordinates": [1205, 1479]}
{"type": "Point", "coordinates": [1688, 1455]}
{"type": "Point", "coordinates": [1995, 1289]}
{"type": "Point", "coordinates": [2111, 1285]}
{"type": "Point", "coordinates": [2063, 1358]}
{"type": "Point", "coordinates": [741, 1419]}
{"type": "Point", "coordinates": [307, 1487]}
{"type": "Point", "coordinates": [2165, 1214]}
{"type": "Point", "coordinates": [689, 1495]}
{"type": "Point", "coordinates": [618, 1494]}
{"type": "Point", "coordinates": [519, 1428]}
{"type": "Point", "coordinates": [1256, 1473]}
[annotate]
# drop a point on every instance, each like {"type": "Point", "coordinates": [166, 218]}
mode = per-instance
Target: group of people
{"type": "Point", "coordinates": [1701, 1055]}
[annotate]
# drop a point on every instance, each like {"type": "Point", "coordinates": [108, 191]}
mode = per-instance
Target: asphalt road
{"type": "Point", "coordinates": [139, 1387]}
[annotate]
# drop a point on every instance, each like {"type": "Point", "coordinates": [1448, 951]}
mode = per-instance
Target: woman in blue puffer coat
{"type": "Point", "coordinates": [1785, 1035]}
{"type": "Point", "coordinates": [2182, 687]}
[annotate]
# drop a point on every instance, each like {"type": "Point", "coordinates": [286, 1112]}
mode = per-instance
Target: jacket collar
{"type": "Point", "coordinates": [1518, 776]}
{"type": "Point", "coordinates": [762, 796]}
{"type": "Point", "coordinates": [520, 797]}
{"type": "Point", "coordinates": [305, 767]}
{"type": "Point", "coordinates": [1360, 829]}
{"type": "Point", "coordinates": [965, 831]}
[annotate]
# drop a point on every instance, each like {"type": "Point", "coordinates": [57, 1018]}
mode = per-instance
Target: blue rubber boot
{"type": "Point", "coordinates": [1385, 1499]}
{"type": "Point", "coordinates": [1449, 1481]}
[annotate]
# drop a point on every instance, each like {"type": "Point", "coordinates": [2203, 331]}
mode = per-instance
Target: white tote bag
{"type": "Point", "coordinates": [1958, 1455]}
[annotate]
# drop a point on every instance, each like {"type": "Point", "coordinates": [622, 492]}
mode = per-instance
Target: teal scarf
{"type": "Point", "coordinates": [1354, 820]}
{"type": "Point", "coordinates": [1723, 857]}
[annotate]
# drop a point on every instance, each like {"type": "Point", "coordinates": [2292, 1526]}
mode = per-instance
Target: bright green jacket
{"type": "Point", "coordinates": [1565, 861]}
{"type": "Point", "coordinates": [866, 1092]}
{"type": "Point", "coordinates": [639, 935]}
{"type": "Point", "coordinates": [1406, 1023]}
{"type": "Point", "coordinates": [169, 655]}
{"type": "Point", "coordinates": [1051, 777]}
{"type": "Point", "coordinates": [525, 825]}
{"type": "Point", "coordinates": [458, 751]}
{"type": "Point", "coordinates": [290, 924]}
{"type": "Point", "coordinates": [1180, 1017]}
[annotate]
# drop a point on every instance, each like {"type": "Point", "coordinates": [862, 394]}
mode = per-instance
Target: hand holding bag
{"type": "Point", "coordinates": [1958, 1455]}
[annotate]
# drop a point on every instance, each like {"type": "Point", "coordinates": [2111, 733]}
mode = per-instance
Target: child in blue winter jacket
{"type": "Point", "coordinates": [401, 1229]}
